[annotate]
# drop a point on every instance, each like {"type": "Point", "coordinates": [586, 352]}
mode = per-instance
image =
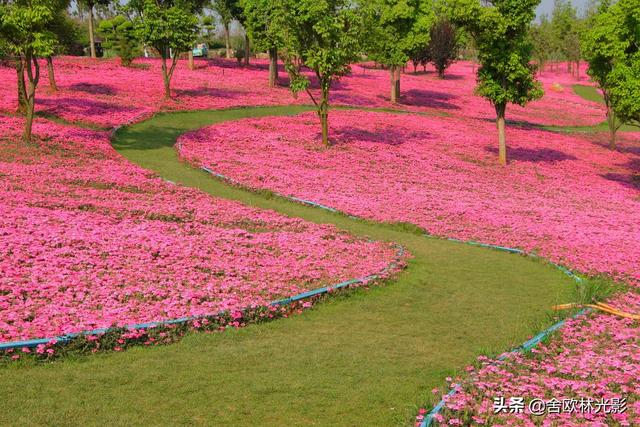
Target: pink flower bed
{"type": "Point", "coordinates": [561, 196]}
{"type": "Point", "coordinates": [104, 93]}
{"type": "Point", "coordinates": [88, 240]}
{"type": "Point", "coordinates": [595, 358]}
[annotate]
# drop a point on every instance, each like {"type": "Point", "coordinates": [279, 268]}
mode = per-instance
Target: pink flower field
{"type": "Point", "coordinates": [596, 358]}
{"type": "Point", "coordinates": [88, 240]}
{"type": "Point", "coordinates": [106, 94]}
{"type": "Point", "coordinates": [562, 197]}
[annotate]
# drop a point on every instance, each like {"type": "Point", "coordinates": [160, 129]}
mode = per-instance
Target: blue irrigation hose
{"type": "Point", "coordinates": [525, 346]}
{"type": "Point", "coordinates": [140, 326]}
{"type": "Point", "coordinates": [468, 242]}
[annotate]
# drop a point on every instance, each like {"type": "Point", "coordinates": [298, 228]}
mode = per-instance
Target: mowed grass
{"type": "Point", "coordinates": [369, 357]}
{"type": "Point", "coordinates": [591, 93]}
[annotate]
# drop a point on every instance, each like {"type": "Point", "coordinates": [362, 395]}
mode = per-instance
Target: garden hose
{"type": "Point", "coordinates": [599, 306]}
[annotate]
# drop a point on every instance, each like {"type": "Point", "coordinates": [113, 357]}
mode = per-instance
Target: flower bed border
{"type": "Point", "coordinates": [525, 346]}
{"type": "Point", "coordinates": [67, 338]}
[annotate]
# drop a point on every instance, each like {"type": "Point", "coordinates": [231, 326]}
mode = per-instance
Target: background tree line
{"type": "Point", "coordinates": [318, 41]}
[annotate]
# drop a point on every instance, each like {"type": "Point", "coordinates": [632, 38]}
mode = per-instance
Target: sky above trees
{"type": "Point", "coordinates": [546, 6]}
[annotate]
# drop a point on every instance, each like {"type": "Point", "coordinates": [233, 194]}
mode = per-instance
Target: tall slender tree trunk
{"type": "Point", "coordinates": [227, 40]}
{"type": "Point", "coordinates": [53, 87]}
{"type": "Point", "coordinates": [28, 123]}
{"type": "Point", "coordinates": [92, 42]}
{"type": "Point", "coordinates": [611, 122]}
{"type": "Point", "coordinates": [22, 88]}
{"type": "Point", "coordinates": [502, 140]}
{"type": "Point", "coordinates": [395, 83]}
{"type": "Point", "coordinates": [166, 78]}
{"type": "Point", "coordinates": [247, 49]}
{"type": "Point", "coordinates": [323, 112]}
{"type": "Point", "coordinates": [273, 67]}
{"type": "Point", "coordinates": [191, 63]}
{"type": "Point", "coordinates": [33, 73]}
{"type": "Point", "coordinates": [578, 69]}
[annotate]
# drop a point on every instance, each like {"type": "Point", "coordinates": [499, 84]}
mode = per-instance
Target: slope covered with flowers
{"type": "Point", "coordinates": [88, 240]}
{"type": "Point", "coordinates": [104, 93]}
{"type": "Point", "coordinates": [592, 358]}
{"type": "Point", "coordinates": [561, 196]}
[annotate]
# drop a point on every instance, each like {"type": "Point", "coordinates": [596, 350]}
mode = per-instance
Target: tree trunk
{"type": "Point", "coordinates": [191, 64]}
{"type": "Point", "coordinates": [166, 79]}
{"type": "Point", "coordinates": [22, 88]}
{"type": "Point", "coordinates": [53, 87]}
{"type": "Point", "coordinates": [502, 141]}
{"type": "Point", "coordinates": [578, 69]}
{"type": "Point", "coordinates": [247, 49]}
{"type": "Point", "coordinates": [273, 67]}
{"type": "Point", "coordinates": [395, 83]}
{"type": "Point", "coordinates": [323, 112]}
{"type": "Point", "coordinates": [92, 44]}
{"type": "Point", "coordinates": [611, 122]}
{"type": "Point", "coordinates": [34, 76]}
{"type": "Point", "coordinates": [227, 40]}
{"type": "Point", "coordinates": [28, 123]}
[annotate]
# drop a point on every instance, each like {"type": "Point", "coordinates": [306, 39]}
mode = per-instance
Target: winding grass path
{"type": "Point", "coordinates": [369, 357]}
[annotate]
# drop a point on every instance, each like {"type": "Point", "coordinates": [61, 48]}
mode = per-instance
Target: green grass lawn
{"type": "Point", "coordinates": [369, 357]}
{"type": "Point", "coordinates": [590, 93]}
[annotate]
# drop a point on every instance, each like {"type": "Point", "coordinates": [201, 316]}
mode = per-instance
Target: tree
{"type": "Point", "coordinates": [542, 40]}
{"type": "Point", "coordinates": [566, 29]}
{"type": "Point", "coordinates": [325, 36]}
{"type": "Point", "coordinates": [420, 55]}
{"type": "Point", "coordinates": [226, 10]}
{"type": "Point", "coordinates": [612, 49]}
{"type": "Point", "coordinates": [25, 29]}
{"type": "Point", "coordinates": [500, 30]}
{"type": "Point", "coordinates": [264, 34]}
{"type": "Point", "coordinates": [119, 36]}
{"type": "Point", "coordinates": [170, 28]}
{"type": "Point", "coordinates": [90, 5]}
{"type": "Point", "coordinates": [444, 45]}
{"type": "Point", "coordinates": [398, 28]}
{"type": "Point", "coordinates": [65, 32]}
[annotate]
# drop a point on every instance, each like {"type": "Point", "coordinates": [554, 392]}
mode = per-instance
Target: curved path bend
{"type": "Point", "coordinates": [370, 357]}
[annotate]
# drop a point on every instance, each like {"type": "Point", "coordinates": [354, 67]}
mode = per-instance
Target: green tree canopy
{"type": "Point", "coordinates": [26, 29]}
{"type": "Point", "coordinates": [612, 49]}
{"type": "Point", "coordinates": [170, 27]}
{"type": "Point", "coordinates": [444, 45]}
{"type": "Point", "coordinates": [227, 10]}
{"type": "Point", "coordinates": [506, 75]}
{"type": "Point", "coordinates": [119, 35]}
{"type": "Point", "coordinates": [543, 42]}
{"type": "Point", "coordinates": [397, 29]}
{"type": "Point", "coordinates": [260, 24]}
{"type": "Point", "coordinates": [90, 5]}
{"type": "Point", "coordinates": [325, 36]}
